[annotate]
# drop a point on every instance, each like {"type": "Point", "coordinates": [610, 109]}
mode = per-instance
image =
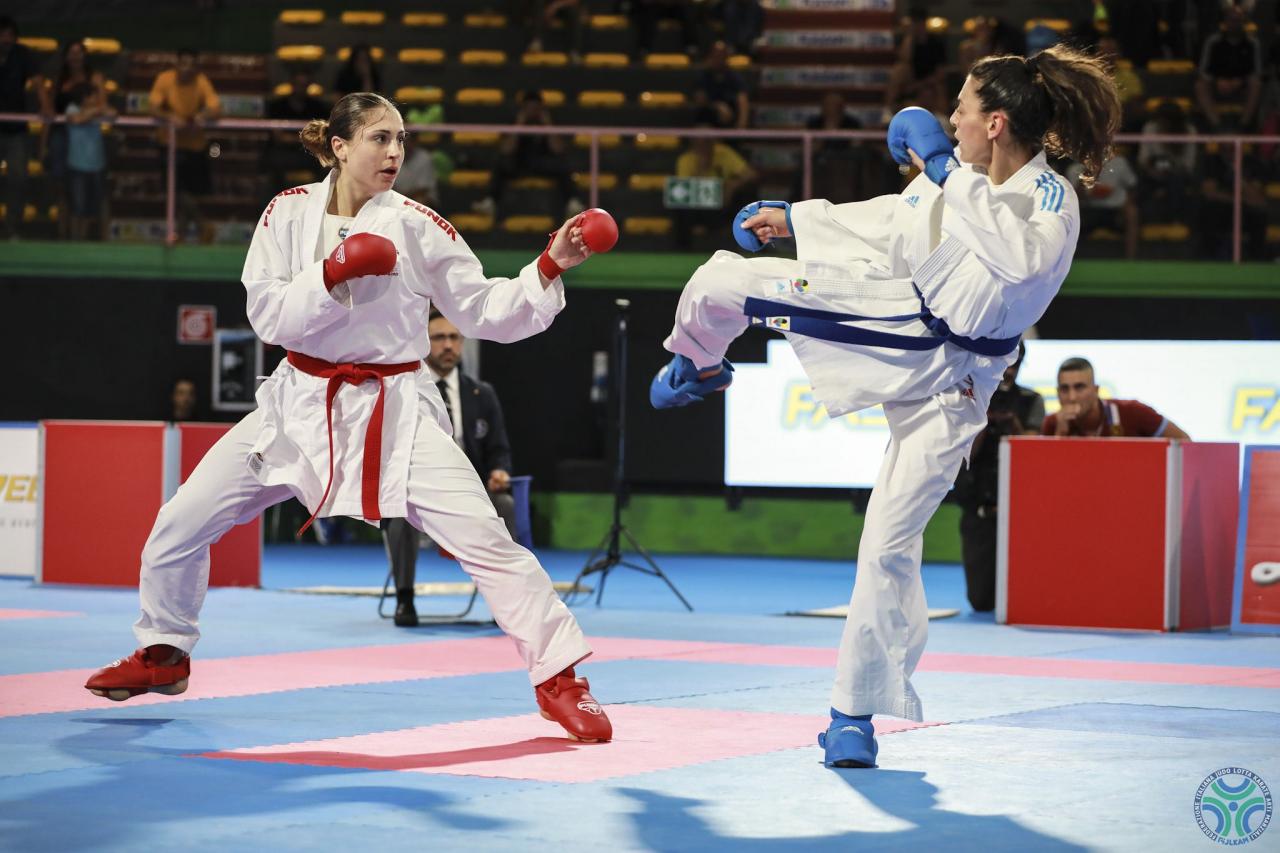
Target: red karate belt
{"type": "Point", "coordinates": [356, 374]}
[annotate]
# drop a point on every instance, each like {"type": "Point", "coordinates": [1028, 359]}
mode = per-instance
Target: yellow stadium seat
{"type": "Point", "coordinates": [647, 225]}
{"type": "Point", "coordinates": [1273, 233]}
{"type": "Point", "coordinates": [284, 90]}
{"type": "Point", "coordinates": [666, 60]}
{"type": "Point", "coordinates": [421, 56]}
{"type": "Point", "coordinates": [650, 141]}
{"type": "Point", "coordinates": [662, 100]}
{"type": "Point", "coordinates": [480, 97]}
{"type": "Point", "coordinates": [300, 53]}
{"type": "Point", "coordinates": [469, 178]}
{"type": "Point", "coordinates": [970, 25]}
{"type": "Point", "coordinates": [102, 47]}
{"type": "Point", "coordinates": [364, 19]}
{"type": "Point", "coordinates": [39, 44]}
{"type": "Point", "coordinates": [1273, 190]}
{"type": "Point", "coordinates": [937, 25]}
{"type": "Point", "coordinates": [1058, 25]}
{"type": "Point", "coordinates": [483, 57]}
{"type": "Point", "coordinates": [296, 177]}
{"type": "Point", "coordinates": [429, 138]}
{"type": "Point", "coordinates": [1173, 232]}
{"type": "Point", "coordinates": [547, 58]}
{"type": "Point", "coordinates": [1171, 66]}
{"type": "Point", "coordinates": [419, 94]}
{"type": "Point", "coordinates": [485, 20]}
{"type": "Point", "coordinates": [295, 17]}
{"type": "Point", "coordinates": [739, 61]}
{"type": "Point", "coordinates": [476, 137]}
{"type": "Point", "coordinates": [344, 53]}
{"type": "Point", "coordinates": [35, 168]}
{"type": "Point", "coordinates": [601, 98]}
{"type": "Point", "coordinates": [553, 97]}
{"type": "Point", "coordinates": [607, 140]}
{"type": "Point", "coordinates": [424, 19]}
{"type": "Point", "coordinates": [111, 86]}
{"type": "Point", "coordinates": [528, 224]}
{"type": "Point", "coordinates": [608, 22]}
{"type": "Point", "coordinates": [647, 182]}
{"type": "Point", "coordinates": [606, 60]}
{"type": "Point", "coordinates": [1153, 104]}
{"type": "Point", "coordinates": [608, 180]}
{"type": "Point", "coordinates": [533, 182]}
{"type": "Point", "coordinates": [472, 223]}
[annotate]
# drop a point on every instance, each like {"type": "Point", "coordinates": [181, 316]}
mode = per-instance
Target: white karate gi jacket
{"type": "Point", "coordinates": [378, 319]}
{"type": "Point", "coordinates": [987, 259]}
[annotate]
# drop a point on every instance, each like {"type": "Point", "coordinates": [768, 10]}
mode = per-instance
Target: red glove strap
{"type": "Point", "coordinates": [546, 266]}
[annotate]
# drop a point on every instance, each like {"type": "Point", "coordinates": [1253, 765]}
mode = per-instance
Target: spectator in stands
{"type": "Point", "coordinates": [842, 164]}
{"type": "Point", "coordinates": [1217, 206]}
{"type": "Point", "coordinates": [17, 66]}
{"type": "Point", "coordinates": [72, 78]}
{"type": "Point", "coordinates": [87, 108]}
{"type": "Point", "coordinates": [360, 74]}
{"type": "Point", "coordinates": [183, 400]}
{"type": "Point", "coordinates": [479, 429]}
{"type": "Point", "coordinates": [708, 157]}
{"type": "Point", "coordinates": [528, 154]}
{"type": "Point", "coordinates": [284, 153]}
{"type": "Point", "coordinates": [1110, 202]}
{"type": "Point", "coordinates": [647, 14]}
{"type": "Point", "coordinates": [721, 94]}
{"type": "Point", "coordinates": [1083, 413]}
{"type": "Point", "coordinates": [1134, 25]}
{"type": "Point", "coordinates": [1128, 82]}
{"type": "Point", "coordinates": [743, 23]}
{"type": "Point", "coordinates": [541, 14]}
{"type": "Point", "coordinates": [1014, 410]}
{"type": "Point", "coordinates": [1166, 168]}
{"type": "Point", "coordinates": [991, 37]}
{"type": "Point", "coordinates": [417, 178]}
{"type": "Point", "coordinates": [183, 97]}
{"type": "Point", "coordinates": [1230, 75]}
{"type": "Point", "coordinates": [918, 76]}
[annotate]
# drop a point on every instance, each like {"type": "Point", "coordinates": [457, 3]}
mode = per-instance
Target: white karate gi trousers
{"type": "Point", "coordinates": [888, 619]}
{"type": "Point", "coordinates": [446, 501]}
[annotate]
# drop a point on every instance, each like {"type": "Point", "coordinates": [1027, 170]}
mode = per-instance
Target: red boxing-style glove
{"type": "Point", "coordinates": [360, 254]}
{"type": "Point", "coordinates": [546, 266]}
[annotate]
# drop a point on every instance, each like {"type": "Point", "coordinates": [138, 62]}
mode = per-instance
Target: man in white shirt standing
{"type": "Point", "coordinates": [479, 429]}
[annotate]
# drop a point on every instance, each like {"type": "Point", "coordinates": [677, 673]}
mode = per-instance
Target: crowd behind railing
{"type": "Point", "coordinates": [1195, 175]}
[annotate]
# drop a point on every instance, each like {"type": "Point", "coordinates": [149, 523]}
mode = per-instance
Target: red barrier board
{"type": "Point", "coordinates": [1257, 581]}
{"type": "Point", "coordinates": [1207, 546]}
{"type": "Point", "coordinates": [1086, 542]}
{"type": "Point", "coordinates": [235, 559]}
{"type": "Point", "coordinates": [103, 483]}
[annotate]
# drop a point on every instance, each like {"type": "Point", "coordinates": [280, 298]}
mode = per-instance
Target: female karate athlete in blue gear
{"type": "Point", "coordinates": [914, 301]}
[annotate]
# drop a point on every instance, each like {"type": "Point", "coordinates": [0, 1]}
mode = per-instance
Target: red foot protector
{"type": "Point", "coordinates": [139, 674]}
{"type": "Point", "coordinates": [599, 231]}
{"type": "Point", "coordinates": [565, 700]}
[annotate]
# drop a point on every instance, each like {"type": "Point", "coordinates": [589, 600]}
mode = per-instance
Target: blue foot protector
{"type": "Point", "coordinates": [677, 383]}
{"type": "Point", "coordinates": [849, 741]}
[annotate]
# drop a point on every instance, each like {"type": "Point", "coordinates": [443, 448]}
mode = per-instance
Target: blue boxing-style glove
{"type": "Point", "coordinates": [677, 383]}
{"type": "Point", "coordinates": [918, 129]}
{"type": "Point", "coordinates": [747, 238]}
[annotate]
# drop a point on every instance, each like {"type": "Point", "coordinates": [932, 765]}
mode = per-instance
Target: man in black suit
{"type": "Point", "coordinates": [480, 431]}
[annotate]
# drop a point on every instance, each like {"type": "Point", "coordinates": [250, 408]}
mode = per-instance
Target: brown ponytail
{"type": "Point", "coordinates": [348, 115]}
{"type": "Point", "coordinates": [1061, 100]}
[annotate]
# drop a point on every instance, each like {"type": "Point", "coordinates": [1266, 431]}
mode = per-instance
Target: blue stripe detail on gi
{"type": "Point", "coordinates": [829, 326]}
{"type": "Point", "coordinates": [1053, 192]}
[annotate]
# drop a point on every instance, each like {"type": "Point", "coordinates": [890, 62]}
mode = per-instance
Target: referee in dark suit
{"type": "Point", "coordinates": [480, 430]}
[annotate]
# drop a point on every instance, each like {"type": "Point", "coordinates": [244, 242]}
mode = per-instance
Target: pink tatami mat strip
{"type": "Point", "coordinates": [529, 747]}
{"type": "Point", "coordinates": [7, 613]}
{"type": "Point", "coordinates": [48, 692]}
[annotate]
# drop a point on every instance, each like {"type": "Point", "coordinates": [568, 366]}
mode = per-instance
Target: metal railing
{"type": "Point", "coordinates": [806, 138]}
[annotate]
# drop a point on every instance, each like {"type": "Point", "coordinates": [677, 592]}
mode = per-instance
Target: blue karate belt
{"type": "Point", "coordinates": [830, 326]}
